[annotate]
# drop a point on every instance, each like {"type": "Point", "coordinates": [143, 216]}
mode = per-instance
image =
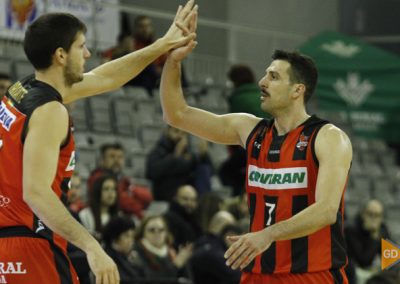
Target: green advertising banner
{"type": "Point", "coordinates": [359, 82]}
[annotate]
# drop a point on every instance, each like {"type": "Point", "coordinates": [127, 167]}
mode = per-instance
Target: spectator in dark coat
{"type": "Point", "coordinates": [119, 240]}
{"type": "Point", "coordinates": [364, 241]}
{"type": "Point", "coordinates": [181, 218]}
{"type": "Point", "coordinates": [171, 163]}
{"type": "Point", "coordinates": [364, 238]}
{"type": "Point", "coordinates": [208, 262]}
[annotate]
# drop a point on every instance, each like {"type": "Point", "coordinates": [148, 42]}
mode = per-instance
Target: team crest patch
{"type": "Point", "coordinates": [303, 142]}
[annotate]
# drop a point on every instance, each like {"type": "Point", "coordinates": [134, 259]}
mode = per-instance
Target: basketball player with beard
{"type": "Point", "coordinates": [37, 155]}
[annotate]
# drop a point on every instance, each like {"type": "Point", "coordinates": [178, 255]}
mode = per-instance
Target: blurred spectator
{"type": "Point", "coordinates": [238, 207]}
{"type": "Point", "coordinates": [209, 204]}
{"type": "Point", "coordinates": [181, 219]}
{"type": "Point", "coordinates": [232, 171]}
{"type": "Point", "coordinates": [5, 83]}
{"type": "Point", "coordinates": [143, 35]}
{"type": "Point", "coordinates": [208, 261]}
{"type": "Point", "coordinates": [123, 47]}
{"type": "Point", "coordinates": [133, 199]}
{"type": "Point", "coordinates": [75, 202]}
{"type": "Point", "coordinates": [171, 163]}
{"type": "Point", "coordinates": [244, 98]}
{"type": "Point", "coordinates": [204, 168]}
{"type": "Point", "coordinates": [364, 239]}
{"type": "Point", "coordinates": [118, 236]}
{"type": "Point", "coordinates": [103, 205]}
{"type": "Point", "coordinates": [246, 93]}
{"type": "Point", "coordinates": [153, 244]}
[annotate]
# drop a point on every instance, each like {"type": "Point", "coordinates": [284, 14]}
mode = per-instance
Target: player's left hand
{"type": "Point", "coordinates": [183, 29]}
{"type": "Point", "coordinates": [180, 53]}
{"type": "Point", "coordinates": [246, 247]}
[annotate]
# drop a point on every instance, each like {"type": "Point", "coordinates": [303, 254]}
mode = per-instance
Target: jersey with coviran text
{"type": "Point", "coordinates": [16, 109]}
{"type": "Point", "coordinates": [281, 181]}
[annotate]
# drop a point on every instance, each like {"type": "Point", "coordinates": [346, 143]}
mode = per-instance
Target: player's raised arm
{"type": "Point", "coordinates": [114, 74]}
{"type": "Point", "coordinates": [225, 129]}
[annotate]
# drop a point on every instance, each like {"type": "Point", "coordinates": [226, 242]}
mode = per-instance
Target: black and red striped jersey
{"type": "Point", "coordinates": [281, 181]}
{"type": "Point", "coordinates": [16, 109]}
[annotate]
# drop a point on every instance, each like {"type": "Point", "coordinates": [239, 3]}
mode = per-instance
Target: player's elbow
{"type": "Point", "coordinates": [330, 215]}
{"type": "Point", "coordinates": [172, 118]}
{"type": "Point", "coordinates": [30, 194]}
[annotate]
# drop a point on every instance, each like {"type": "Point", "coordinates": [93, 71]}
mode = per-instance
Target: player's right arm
{"type": "Point", "coordinates": [232, 129]}
{"type": "Point", "coordinates": [47, 129]}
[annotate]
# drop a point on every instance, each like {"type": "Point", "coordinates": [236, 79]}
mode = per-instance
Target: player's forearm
{"type": "Point", "coordinates": [49, 209]}
{"type": "Point", "coordinates": [119, 71]}
{"type": "Point", "coordinates": [172, 100]}
{"type": "Point", "coordinates": [306, 222]}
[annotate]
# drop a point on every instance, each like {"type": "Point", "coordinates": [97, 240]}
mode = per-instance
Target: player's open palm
{"type": "Point", "coordinates": [181, 31]}
{"type": "Point", "coordinates": [103, 267]}
{"type": "Point", "coordinates": [180, 53]}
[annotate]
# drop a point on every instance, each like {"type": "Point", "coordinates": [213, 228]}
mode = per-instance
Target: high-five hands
{"type": "Point", "coordinates": [183, 29]}
{"type": "Point", "coordinates": [188, 28]}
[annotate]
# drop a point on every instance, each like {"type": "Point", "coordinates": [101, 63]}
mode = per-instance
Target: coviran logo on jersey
{"type": "Point", "coordinates": [277, 179]}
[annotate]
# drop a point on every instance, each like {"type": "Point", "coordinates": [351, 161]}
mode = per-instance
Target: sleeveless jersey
{"type": "Point", "coordinates": [16, 109]}
{"type": "Point", "coordinates": [280, 182]}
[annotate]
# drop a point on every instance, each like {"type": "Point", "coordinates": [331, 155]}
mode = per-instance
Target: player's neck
{"type": "Point", "coordinates": [52, 78]}
{"type": "Point", "coordinates": [287, 122]}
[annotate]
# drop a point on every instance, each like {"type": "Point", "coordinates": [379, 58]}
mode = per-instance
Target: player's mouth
{"type": "Point", "coordinates": [264, 94]}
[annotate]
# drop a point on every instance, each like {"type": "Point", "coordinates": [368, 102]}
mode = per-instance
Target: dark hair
{"type": "Point", "coordinates": [240, 75]}
{"type": "Point", "coordinates": [105, 147]}
{"type": "Point", "coordinates": [302, 70]}
{"type": "Point", "coordinates": [95, 200]}
{"type": "Point", "coordinates": [47, 33]}
{"type": "Point", "coordinates": [4, 76]}
{"type": "Point", "coordinates": [115, 228]}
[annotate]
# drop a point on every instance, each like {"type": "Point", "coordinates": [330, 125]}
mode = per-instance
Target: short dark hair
{"type": "Point", "coordinates": [241, 74]}
{"type": "Point", "coordinates": [105, 147]}
{"type": "Point", "coordinates": [115, 228]}
{"type": "Point", "coordinates": [49, 32]}
{"type": "Point", "coordinates": [302, 70]}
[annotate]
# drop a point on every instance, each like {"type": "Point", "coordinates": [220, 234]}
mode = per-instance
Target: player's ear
{"type": "Point", "coordinates": [60, 56]}
{"type": "Point", "coordinates": [299, 90]}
